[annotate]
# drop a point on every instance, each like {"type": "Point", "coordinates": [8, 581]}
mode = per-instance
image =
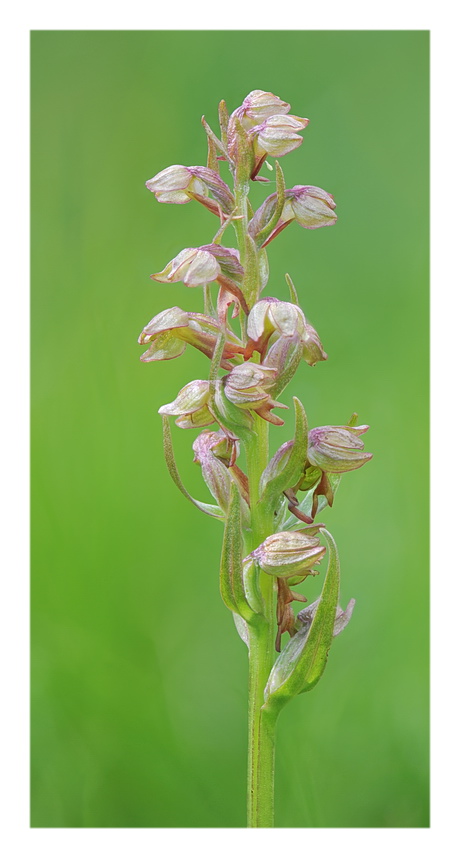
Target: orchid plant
{"type": "Point", "coordinates": [272, 540]}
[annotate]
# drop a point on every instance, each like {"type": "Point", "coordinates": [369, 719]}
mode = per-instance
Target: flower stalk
{"type": "Point", "coordinates": [271, 542]}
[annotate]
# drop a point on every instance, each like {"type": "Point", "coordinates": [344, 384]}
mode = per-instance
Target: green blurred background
{"type": "Point", "coordinates": [138, 676]}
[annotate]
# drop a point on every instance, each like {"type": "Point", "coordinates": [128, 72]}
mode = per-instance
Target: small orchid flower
{"type": "Point", "coordinates": [248, 387]}
{"type": "Point", "coordinates": [179, 184]}
{"type": "Point", "coordinates": [198, 266]}
{"type": "Point", "coordinates": [271, 316]}
{"type": "Point", "coordinates": [277, 135]}
{"type": "Point", "coordinates": [337, 449]}
{"type": "Point", "coordinates": [289, 554]}
{"type": "Point", "coordinates": [310, 206]}
{"type": "Point", "coordinates": [191, 405]}
{"type": "Point", "coordinates": [168, 333]}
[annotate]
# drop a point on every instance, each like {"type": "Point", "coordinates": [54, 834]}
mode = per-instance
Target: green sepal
{"type": "Point", "coordinates": [302, 662]}
{"type": "Point", "coordinates": [280, 200]}
{"type": "Point", "coordinates": [232, 585]}
{"type": "Point", "coordinates": [208, 508]}
{"type": "Point", "coordinates": [292, 290]}
{"type": "Point", "coordinates": [294, 464]}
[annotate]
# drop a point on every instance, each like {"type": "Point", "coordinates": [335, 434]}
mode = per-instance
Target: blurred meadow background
{"type": "Point", "coordinates": [138, 675]}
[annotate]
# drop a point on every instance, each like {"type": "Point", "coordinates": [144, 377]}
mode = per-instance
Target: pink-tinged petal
{"type": "Point", "coordinates": [193, 397]}
{"type": "Point", "coordinates": [202, 269]}
{"type": "Point", "coordinates": [312, 207]}
{"type": "Point", "coordinates": [259, 105]}
{"type": "Point", "coordinates": [174, 178]}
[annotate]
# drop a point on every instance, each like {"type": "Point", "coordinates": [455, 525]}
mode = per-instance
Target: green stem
{"type": "Point", "coordinates": [261, 740]}
{"type": "Point", "coordinates": [261, 733]}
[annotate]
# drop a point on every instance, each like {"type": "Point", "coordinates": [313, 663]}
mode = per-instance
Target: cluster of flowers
{"type": "Point", "coordinates": [261, 359]}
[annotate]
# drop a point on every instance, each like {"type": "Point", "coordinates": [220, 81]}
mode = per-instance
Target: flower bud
{"type": "Point", "coordinates": [191, 405]}
{"type": "Point", "coordinates": [289, 553]}
{"type": "Point", "coordinates": [311, 207]}
{"type": "Point", "coordinates": [216, 453]}
{"type": "Point", "coordinates": [337, 449]}
{"type": "Point", "coordinates": [277, 135]}
{"type": "Point", "coordinates": [215, 473]}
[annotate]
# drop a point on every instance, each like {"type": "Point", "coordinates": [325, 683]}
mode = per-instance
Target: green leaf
{"type": "Point", "coordinates": [292, 465]}
{"type": "Point", "coordinates": [208, 508]}
{"type": "Point", "coordinates": [292, 290]}
{"type": "Point", "coordinates": [232, 586]}
{"type": "Point", "coordinates": [218, 143]}
{"type": "Point", "coordinates": [301, 664]}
